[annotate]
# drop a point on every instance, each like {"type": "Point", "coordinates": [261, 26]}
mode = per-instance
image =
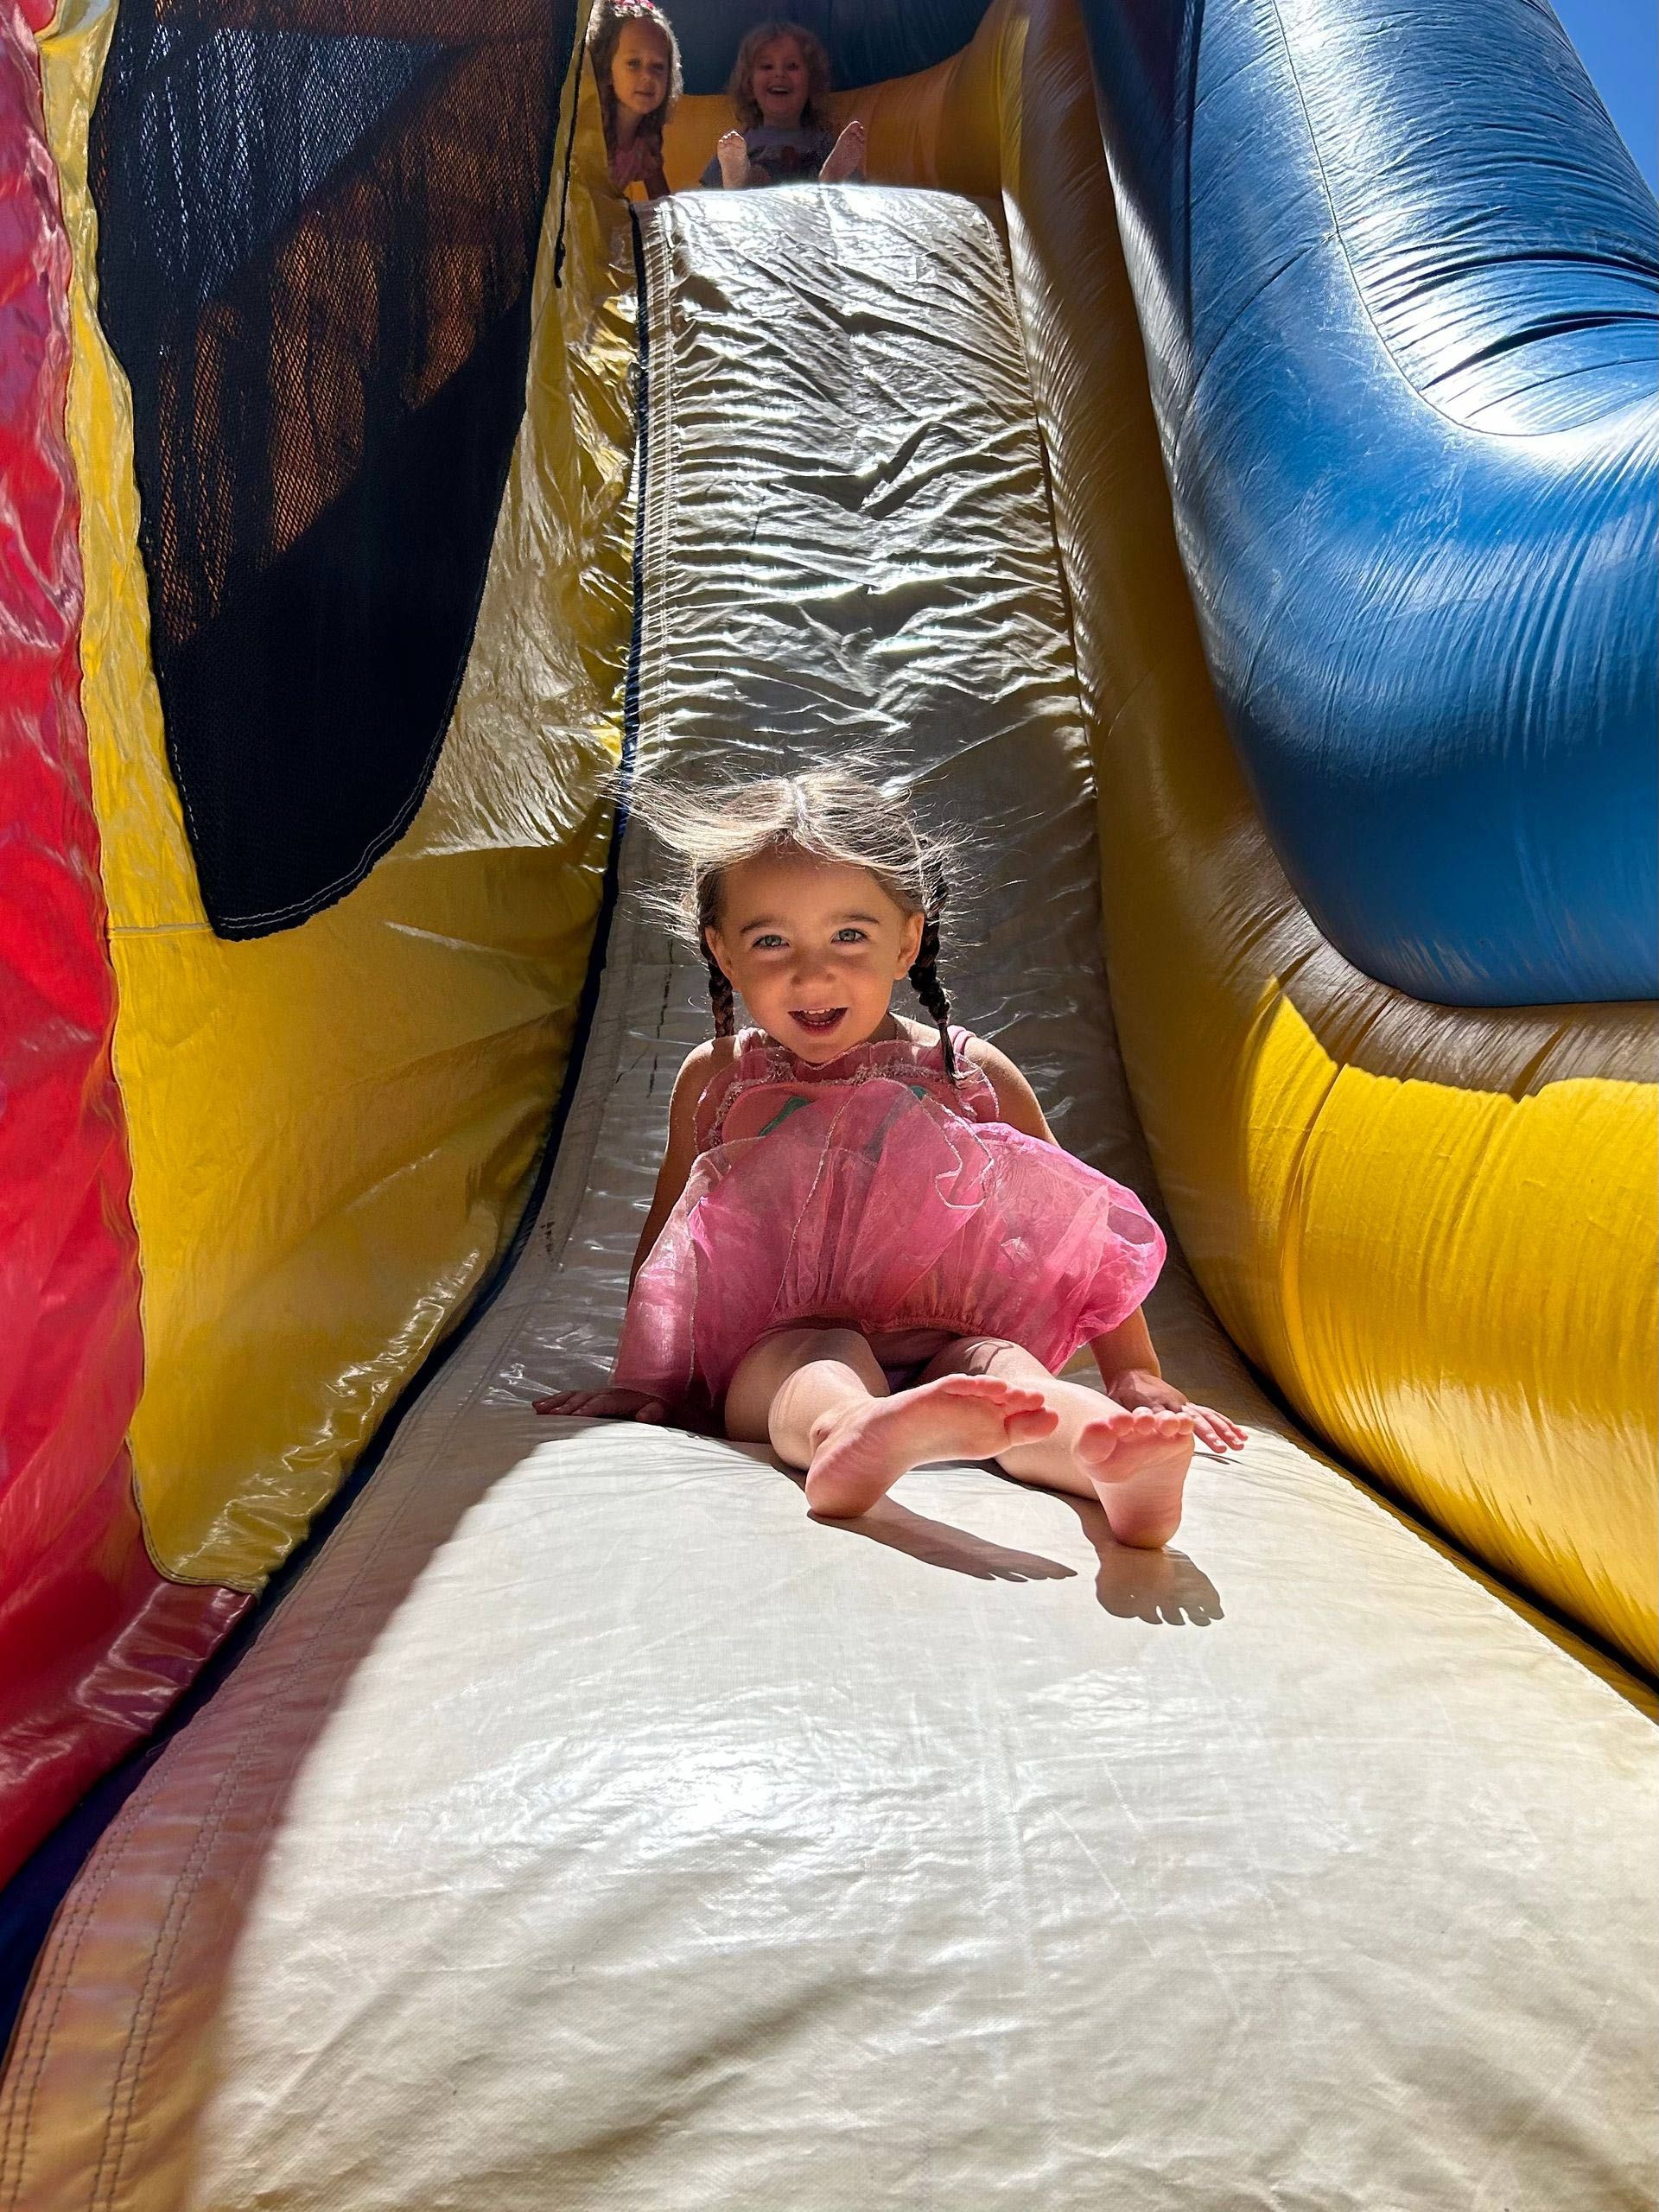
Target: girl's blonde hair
{"type": "Point", "coordinates": [827, 815]}
{"type": "Point", "coordinates": [815, 115]}
{"type": "Point", "coordinates": [610, 19]}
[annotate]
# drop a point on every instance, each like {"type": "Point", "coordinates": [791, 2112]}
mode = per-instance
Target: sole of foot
{"type": "Point", "coordinates": [958, 1417]}
{"type": "Point", "coordinates": [1137, 1462]}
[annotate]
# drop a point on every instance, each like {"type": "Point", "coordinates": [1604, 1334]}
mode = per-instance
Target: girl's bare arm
{"type": "Point", "coordinates": [699, 1067]}
{"type": "Point", "coordinates": [679, 1152]}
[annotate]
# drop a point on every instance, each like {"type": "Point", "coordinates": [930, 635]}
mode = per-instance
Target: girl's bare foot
{"type": "Point", "coordinates": [860, 1452]}
{"type": "Point", "coordinates": [1137, 1461]}
{"type": "Point", "coordinates": [733, 160]}
{"type": "Point", "coordinates": [846, 157]}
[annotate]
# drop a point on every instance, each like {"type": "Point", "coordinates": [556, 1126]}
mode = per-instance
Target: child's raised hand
{"type": "Point", "coordinates": [1136, 1387]}
{"type": "Point", "coordinates": [604, 1405]}
{"type": "Point", "coordinates": [846, 156]}
{"type": "Point", "coordinates": [734, 161]}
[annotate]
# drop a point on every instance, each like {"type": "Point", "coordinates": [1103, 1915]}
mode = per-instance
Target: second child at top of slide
{"type": "Point", "coordinates": [636, 63]}
{"type": "Point", "coordinates": [780, 89]}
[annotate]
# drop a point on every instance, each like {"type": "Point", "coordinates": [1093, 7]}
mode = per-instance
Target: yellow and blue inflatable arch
{"type": "Point", "coordinates": [1330, 329]}
{"type": "Point", "coordinates": [1349, 431]}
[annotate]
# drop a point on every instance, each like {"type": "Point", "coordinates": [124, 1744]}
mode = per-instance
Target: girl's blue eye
{"type": "Point", "coordinates": [849, 936]}
{"type": "Point", "coordinates": [767, 944]}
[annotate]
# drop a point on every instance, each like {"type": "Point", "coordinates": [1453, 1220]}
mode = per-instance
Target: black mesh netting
{"type": "Point", "coordinates": [318, 223]}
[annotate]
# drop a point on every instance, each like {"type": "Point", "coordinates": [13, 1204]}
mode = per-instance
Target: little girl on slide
{"type": "Point", "coordinates": [636, 61]}
{"type": "Point", "coordinates": [866, 1247]}
{"type": "Point", "coordinates": [780, 88]}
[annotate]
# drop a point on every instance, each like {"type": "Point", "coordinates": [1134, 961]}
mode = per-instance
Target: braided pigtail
{"type": "Point", "coordinates": [722, 998]}
{"type": "Point", "coordinates": [924, 977]}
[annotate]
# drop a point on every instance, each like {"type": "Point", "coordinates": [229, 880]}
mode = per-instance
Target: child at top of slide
{"type": "Point", "coordinates": [636, 60]}
{"type": "Point", "coordinates": [866, 1247]}
{"type": "Point", "coordinates": [780, 88]}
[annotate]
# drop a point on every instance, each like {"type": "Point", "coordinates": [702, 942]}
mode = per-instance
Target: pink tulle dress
{"type": "Point", "coordinates": [872, 1193]}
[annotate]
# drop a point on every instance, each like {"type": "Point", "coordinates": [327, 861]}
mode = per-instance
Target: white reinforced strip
{"type": "Point", "coordinates": [591, 1828]}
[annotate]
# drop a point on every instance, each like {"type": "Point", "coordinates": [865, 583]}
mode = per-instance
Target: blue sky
{"type": "Point", "coordinates": [1619, 43]}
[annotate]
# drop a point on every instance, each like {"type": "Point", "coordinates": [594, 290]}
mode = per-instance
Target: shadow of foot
{"type": "Point", "coordinates": [936, 1543]}
{"type": "Point", "coordinates": [1164, 1587]}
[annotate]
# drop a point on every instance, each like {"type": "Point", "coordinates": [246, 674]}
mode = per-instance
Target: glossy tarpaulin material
{"type": "Point", "coordinates": [1400, 282]}
{"type": "Point", "coordinates": [93, 1644]}
{"type": "Point", "coordinates": [591, 1828]}
{"type": "Point", "coordinates": [332, 1130]}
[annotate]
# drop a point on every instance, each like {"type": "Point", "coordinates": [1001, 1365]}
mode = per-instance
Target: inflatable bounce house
{"type": "Point", "coordinates": [1213, 462]}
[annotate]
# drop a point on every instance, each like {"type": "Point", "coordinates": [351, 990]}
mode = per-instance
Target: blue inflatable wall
{"type": "Point", "coordinates": [1400, 301]}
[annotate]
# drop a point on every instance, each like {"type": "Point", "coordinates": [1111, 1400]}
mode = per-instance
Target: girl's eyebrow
{"type": "Point", "coordinates": [770, 922]}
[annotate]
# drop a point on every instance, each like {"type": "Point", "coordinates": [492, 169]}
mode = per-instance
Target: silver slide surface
{"type": "Point", "coordinates": [589, 1827]}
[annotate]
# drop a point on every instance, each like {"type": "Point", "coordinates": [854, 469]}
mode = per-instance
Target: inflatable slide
{"type": "Point", "coordinates": [1213, 462]}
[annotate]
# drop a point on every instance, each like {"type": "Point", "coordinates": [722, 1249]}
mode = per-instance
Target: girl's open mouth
{"type": "Point", "coordinates": [819, 1023]}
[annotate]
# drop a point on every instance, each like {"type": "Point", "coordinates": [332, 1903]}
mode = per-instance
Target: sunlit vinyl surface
{"type": "Point", "coordinates": [591, 1828]}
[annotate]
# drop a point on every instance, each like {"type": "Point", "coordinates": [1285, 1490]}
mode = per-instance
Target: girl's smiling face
{"type": "Point", "coordinates": [814, 949]}
{"type": "Point", "coordinates": [779, 81]}
{"type": "Point", "coordinates": [639, 70]}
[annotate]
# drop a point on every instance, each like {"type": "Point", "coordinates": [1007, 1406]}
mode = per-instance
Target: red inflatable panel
{"type": "Point", "coordinates": [95, 1644]}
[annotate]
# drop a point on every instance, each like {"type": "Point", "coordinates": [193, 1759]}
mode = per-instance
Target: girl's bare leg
{"type": "Point", "coordinates": [819, 1398]}
{"type": "Point", "coordinates": [1135, 1463]}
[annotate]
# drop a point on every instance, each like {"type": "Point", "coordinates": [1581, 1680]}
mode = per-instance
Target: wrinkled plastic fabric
{"type": "Point", "coordinates": [332, 1131]}
{"type": "Point", "coordinates": [1399, 282]}
{"type": "Point", "coordinates": [93, 1644]}
{"type": "Point", "coordinates": [592, 1827]}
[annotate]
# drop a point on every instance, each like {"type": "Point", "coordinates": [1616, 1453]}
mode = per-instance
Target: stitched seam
{"type": "Point", "coordinates": [35, 2041]}
{"type": "Point", "coordinates": [276, 1693]}
{"type": "Point", "coordinates": [38, 2043]}
{"type": "Point", "coordinates": [129, 2073]}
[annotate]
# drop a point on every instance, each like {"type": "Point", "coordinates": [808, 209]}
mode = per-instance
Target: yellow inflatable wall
{"type": "Point", "coordinates": [332, 1129]}
{"type": "Point", "coordinates": [1433, 1229]}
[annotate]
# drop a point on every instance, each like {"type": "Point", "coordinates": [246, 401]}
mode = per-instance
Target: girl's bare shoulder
{"type": "Point", "coordinates": [1017, 1102]}
{"type": "Point", "coordinates": [701, 1066]}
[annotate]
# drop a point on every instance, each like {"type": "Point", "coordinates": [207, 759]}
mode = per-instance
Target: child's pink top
{"type": "Point", "coordinates": [873, 1193]}
{"type": "Point", "coordinates": [640, 163]}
